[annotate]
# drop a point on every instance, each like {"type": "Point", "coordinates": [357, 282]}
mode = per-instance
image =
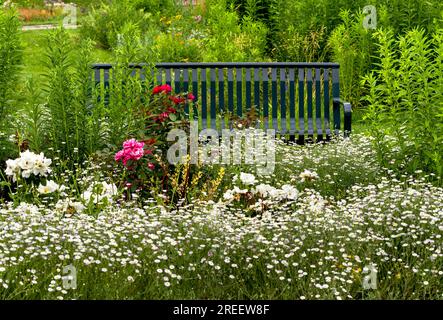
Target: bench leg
{"type": "Point", "coordinates": [301, 140]}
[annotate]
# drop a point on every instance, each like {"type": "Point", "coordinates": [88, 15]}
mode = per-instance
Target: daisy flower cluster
{"type": "Point", "coordinates": [258, 197]}
{"type": "Point", "coordinates": [100, 192]}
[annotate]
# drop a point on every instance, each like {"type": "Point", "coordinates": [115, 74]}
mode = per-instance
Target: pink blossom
{"type": "Point", "coordinates": [132, 150]}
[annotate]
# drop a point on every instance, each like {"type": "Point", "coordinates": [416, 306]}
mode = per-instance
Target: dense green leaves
{"type": "Point", "coordinates": [405, 98]}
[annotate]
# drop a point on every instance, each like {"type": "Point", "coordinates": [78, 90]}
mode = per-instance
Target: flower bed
{"type": "Point", "coordinates": [313, 235]}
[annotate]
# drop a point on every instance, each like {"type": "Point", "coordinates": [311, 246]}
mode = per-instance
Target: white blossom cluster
{"type": "Point", "coordinates": [28, 164]}
{"type": "Point", "coordinates": [99, 192]}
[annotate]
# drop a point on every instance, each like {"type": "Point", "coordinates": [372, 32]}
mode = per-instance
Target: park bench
{"type": "Point", "coordinates": [295, 99]}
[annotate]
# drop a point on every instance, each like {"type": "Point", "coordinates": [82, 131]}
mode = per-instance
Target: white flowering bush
{"type": "Point", "coordinates": [255, 198]}
{"type": "Point", "coordinates": [30, 175]}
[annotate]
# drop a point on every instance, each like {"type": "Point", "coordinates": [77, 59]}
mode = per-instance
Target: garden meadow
{"type": "Point", "coordinates": [93, 207]}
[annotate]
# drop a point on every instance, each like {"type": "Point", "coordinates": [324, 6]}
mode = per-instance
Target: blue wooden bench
{"type": "Point", "coordinates": [295, 99]}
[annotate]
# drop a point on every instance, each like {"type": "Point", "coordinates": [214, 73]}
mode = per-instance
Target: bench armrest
{"type": "Point", "coordinates": [347, 108]}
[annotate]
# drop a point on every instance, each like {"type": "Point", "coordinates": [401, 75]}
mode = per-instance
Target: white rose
{"type": "Point", "coordinates": [290, 192]}
{"type": "Point", "coordinates": [26, 160]}
{"type": "Point", "coordinates": [50, 187]}
{"type": "Point", "coordinates": [12, 169]}
{"type": "Point", "coordinates": [247, 178]}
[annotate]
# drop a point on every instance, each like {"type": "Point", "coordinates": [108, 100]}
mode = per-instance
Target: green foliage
{"type": "Point", "coordinates": [160, 7]}
{"type": "Point", "coordinates": [34, 117]}
{"type": "Point", "coordinates": [60, 96]}
{"type": "Point", "coordinates": [230, 40]}
{"type": "Point", "coordinates": [104, 22]}
{"type": "Point", "coordinates": [402, 15]}
{"type": "Point", "coordinates": [405, 99]}
{"type": "Point", "coordinates": [178, 39]}
{"type": "Point", "coordinates": [353, 48]}
{"type": "Point", "coordinates": [125, 91]}
{"type": "Point", "coordinates": [10, 63]}
{"type": "Point", "coordinates": [300, 29]}
{"type": "Point", "coordinates": [75, 128]}
{"type": "Point", "coordinates": [295, 46]}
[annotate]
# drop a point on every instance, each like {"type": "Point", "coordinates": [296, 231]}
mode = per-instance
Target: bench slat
{"type": "Point", "coordinates": [239, 79]}
{"type": "Point", "coordinates": [248, 88]}
{"type": "Point", "coordinates": [292, 101]}
{"type": "Point", "coordinates": [203, 100]}
{"type": "Point", "coordinates": [301, 102]}
{"type": "Point", "coordinates": [257, 90]}
{"type": "Point", "coordinates": [326, 101]}
{"type": "Point", "coordinates": [274, 99]}
{"type": "Point", "coordinates": [265, 97]}
{"type": "Point", "coordinates": [159, 76]}
{"type": "Point", "coordinates": [195, 91]}
{"type": "Point", "coordinates": [186, 87]}
{"type": "Point", "coordinates": [283, 100]}
{"type": "Point", "coordinates": [168, 76]}
{"type": "Point", "coordinates": [318, 122]}
{"type": "Point", "coordinates": [177, 86]}
{"type": "Point", "coordinates": [213, 100]}
{"type": "Point", "coordinates": [309, 92]}
{"type": "Point", "coordinates": [143, 74]}
{"type": "Point", "coordinates": [221, 96]}
{"type": "Point", "coordinates": [97, 75]}
{"type": "Point", "coordinates": [230, 90]}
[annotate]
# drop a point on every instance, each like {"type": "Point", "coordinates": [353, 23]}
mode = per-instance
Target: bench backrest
{"type": "Point", "coordinates": [293, 98]}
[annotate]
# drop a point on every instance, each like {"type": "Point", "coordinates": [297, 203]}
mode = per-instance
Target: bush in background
{"type": "Point", "coordinates": [103, 23]}
{"type": "Point", "coordinates": [353, 48]}
{"type": "Point", "coordinates": [231, 39]}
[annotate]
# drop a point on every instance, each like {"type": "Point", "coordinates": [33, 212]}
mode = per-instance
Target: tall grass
{"type": "Point", "coordinates": [10, 62]}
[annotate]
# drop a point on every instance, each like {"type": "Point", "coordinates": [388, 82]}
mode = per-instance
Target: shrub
{"type": "Point", "coordinates": [297, 25]}
{"type": "Point", "coordinates": [178, 39]}
{"type": "Point", "coordinates": [104, 22]}
{"type": "Point", "coordinates": [405, 99]}
{"type": "Point", "coordinates": [230, 40]}
{"type": "Point", "coordinates": [352, 46]}
{"type": "Point", "coordinates": [402, 15]}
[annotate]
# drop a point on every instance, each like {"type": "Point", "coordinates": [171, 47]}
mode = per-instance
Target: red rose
{"type": "Point", "coordinates": [177, 100]}
{"type": "Point", "coordinates": [166, 88]}
{"type": "Point", "coordinates": [151, 166]}
{"type": "Point", "coordinates": [191, 97]}
{"type": "Point", "coordinates": [171, 110]}
{"type": "Point", "coordinates": [162, 117]}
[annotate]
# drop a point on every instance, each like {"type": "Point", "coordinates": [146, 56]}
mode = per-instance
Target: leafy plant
{"type": "Point", "coordinates": [10, 63]}
{"type": "Point", "coordinates": [405, 99]}
{"type": "Point", "coordinates": [230, 40]}
{"type": "Point", "coordinates": [105, 21]}
{"type": "Point", "coordinates": [353, 48]}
